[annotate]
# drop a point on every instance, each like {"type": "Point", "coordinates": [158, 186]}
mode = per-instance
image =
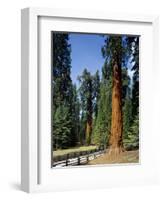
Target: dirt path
{"type": "Point", "coordinates": [125, 157]}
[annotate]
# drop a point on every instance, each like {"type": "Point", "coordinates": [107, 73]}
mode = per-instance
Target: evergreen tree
{"type": "Point", "coordinates": [126, 102]}
{"type": "Point", "coordinates": [113, 49]}
{"type": "Point", "coordinates": [62, 90]}
{"type": "Point", "coordinates": [135, 68]}
{"type": "Point", "coordinates": [131, 139]}
{"type": "Point", "coordinates": [86, 96]}
{"type": "Point", "coordinates": [126, 90]}
{"type": "Point", "coordinates": [103, 122]}
{"type": "Point", "coordinates": [133, 53]}
{"type": "Point", "coordinates": [62, 127]}
{"type": "Point", "coordinates": [96, 93]}
{"type": "Point", "coordinates": [82, 126]}
{"type": "Point", "coordinates": [127, 116]}
{"type": "Point", "coordinates": [75, 137]}
{"type": "Point", "coordinates": [62, 83]}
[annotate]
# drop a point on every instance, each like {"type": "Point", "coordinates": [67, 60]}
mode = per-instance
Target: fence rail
{"type": "Point", "coordinates": [77, 158]}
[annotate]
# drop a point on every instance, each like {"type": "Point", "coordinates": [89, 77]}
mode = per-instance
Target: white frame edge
{"type": "Point", "coordinates": [29, 79]}
{"type": "Point", "coordinates": [29, 90]}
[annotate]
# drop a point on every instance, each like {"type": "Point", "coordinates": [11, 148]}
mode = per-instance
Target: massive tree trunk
{"type": "Point", "coordinates": [116, 145]}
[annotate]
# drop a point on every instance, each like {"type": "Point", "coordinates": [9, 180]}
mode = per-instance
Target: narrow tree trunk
{"type": "Point", "coordinates": [89, 119]}
{"type": "Point", "coordinates": [116, 145]}
{"type": "Point", "coordinates": [89, 114]}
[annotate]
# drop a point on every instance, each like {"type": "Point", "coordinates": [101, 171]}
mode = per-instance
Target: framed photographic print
{"type": "Point", "coordinates": [86, 95]}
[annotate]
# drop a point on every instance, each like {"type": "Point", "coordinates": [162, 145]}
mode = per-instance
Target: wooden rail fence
{"type": "Point", "coordinates": [77, 158]}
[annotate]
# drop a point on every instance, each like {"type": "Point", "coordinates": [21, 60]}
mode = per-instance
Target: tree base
{"type": "Point", "coordinates": [115, 151]}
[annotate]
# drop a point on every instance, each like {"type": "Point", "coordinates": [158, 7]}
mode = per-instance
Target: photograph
{"type": "Point", "coordinates": [94, 99]}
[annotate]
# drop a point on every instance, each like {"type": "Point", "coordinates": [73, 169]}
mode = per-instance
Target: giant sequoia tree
{"type": "Point", "coordinates": [103, 109]}
{"type": "Point", "coordinates": [113, 48]}
{"type": "Point", "coordinates": [89, 95]}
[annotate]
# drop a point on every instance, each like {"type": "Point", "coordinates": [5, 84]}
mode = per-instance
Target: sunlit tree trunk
{"type": "Point", "coordinates": [115, 142]}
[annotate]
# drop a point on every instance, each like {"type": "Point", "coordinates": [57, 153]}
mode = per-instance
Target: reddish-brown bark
{"type": "Point", "coordinates": [115, 142]}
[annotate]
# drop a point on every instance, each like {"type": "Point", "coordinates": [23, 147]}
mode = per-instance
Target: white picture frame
{"type": "Point", "coordinates": [36, 173]}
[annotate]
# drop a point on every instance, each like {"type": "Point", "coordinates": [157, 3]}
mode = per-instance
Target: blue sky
{"type": "Point", "coordinates": [85, 53]}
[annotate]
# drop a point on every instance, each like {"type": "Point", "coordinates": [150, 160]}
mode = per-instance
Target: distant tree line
{"type": "Point", "coordinates": [103, 111]}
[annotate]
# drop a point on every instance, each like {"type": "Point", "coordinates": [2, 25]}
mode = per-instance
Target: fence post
{"type": "Point", "coordinates": [79, 160]}
{"type": "Point", "coordinates": [88, 158]}
{"type": "Point", "coordinates": [67, 159]}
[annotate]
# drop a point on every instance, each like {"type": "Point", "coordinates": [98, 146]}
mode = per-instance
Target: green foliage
{"type": "Point", "coordinates": [127, 116]}
{"type": "Point", "coordinates": [131, 112]}
{"type": "Point", "coordinates": [133, 52]}
{"type": "Point", "coordinates": [96, 92]}
{"type": "Point", "coordinates": [86, 90]}
{"type": "Point", "coordinates": [62, 127]}
{"type": "Point", "coordinates": [86, 96]}
{"type": "Point", "coordinates": [65, 100]}
{"type": "Point", "coordinates": [126, 90]}
{"type": "Point", "coordinates": [102, 123]}
{"type": "Point", "coordinates": [73, 108]}
{"type": "Point", "coordinates": [82, 128]}
{"type": "Point", "coordinates": [61, 83]}
{"type": "Point", "coordinates": [113, 49]}
{"type": "Point", "coordinates": [132, 139]}
{"type": "Point", "coordinates": [126, 102]}
{"type": "Point", "coordinates": [75, 112]}
{"type": "Point", "coordinates": [89, 95]}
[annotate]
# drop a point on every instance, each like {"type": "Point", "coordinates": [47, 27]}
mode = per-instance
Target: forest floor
{"type": "Point", "coordinates": [124, 157]}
